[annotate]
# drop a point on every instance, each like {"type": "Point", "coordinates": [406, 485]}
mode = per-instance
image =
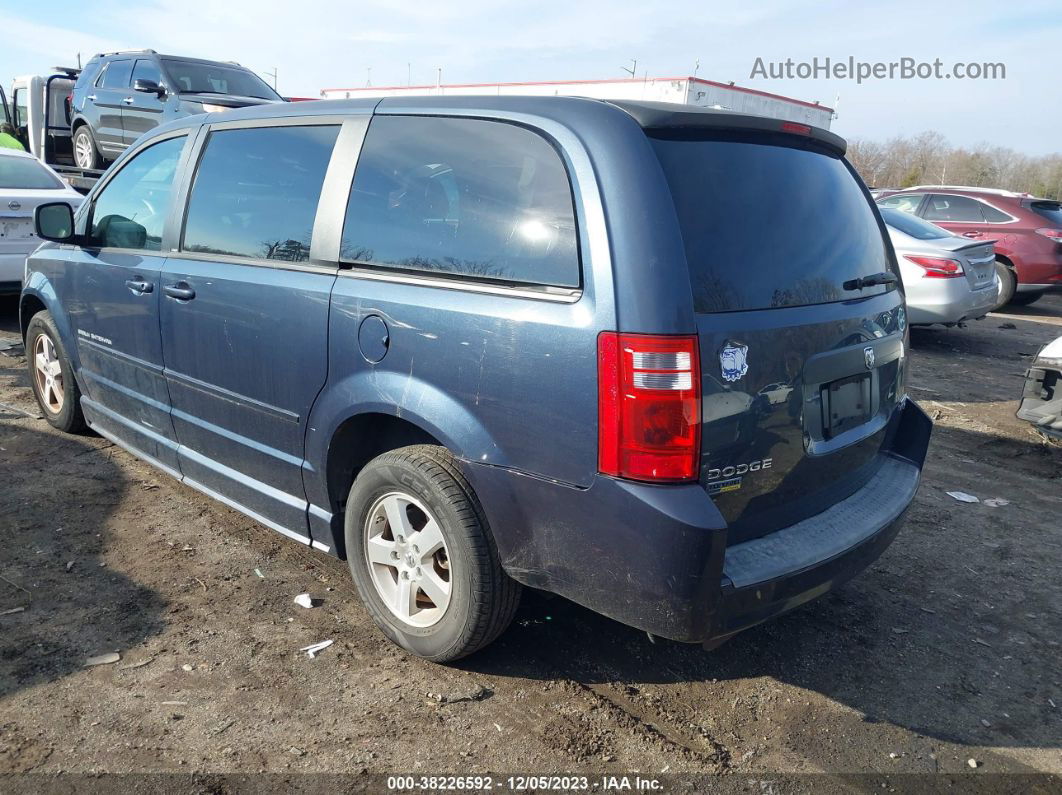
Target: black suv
{"type": "Point", "coordinates": [121, 95]}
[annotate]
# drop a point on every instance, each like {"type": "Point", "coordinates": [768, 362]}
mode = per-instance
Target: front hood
{"type": "Point", "coordinates": [228, 100]}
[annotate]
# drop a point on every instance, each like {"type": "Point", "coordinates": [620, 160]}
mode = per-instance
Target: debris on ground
{"type": "Point", "coordinates": [307, 601]}
{"type": "Point", "coordinates": [476, 694]}
{"type": "Point", "coordinates": [259, 573]}
{"type": "Point", "coordinates": [70, 565]}
{"type": "Point", "coordinates": [11, 610]}
{"type": "Point", "coordinates": [140, 664]}
{"type": "Point", "coordinates": [316, 648]}
{"type": "Point", "coordinates": [962, 496]}
{"type": "Point", "coordinates": [187, 668]}
{"type": "Point", "coordinates": [996, 502]}
{"type": "Point", "coordinates": [103, 659]}
{"type": "Point", "coordinates": [973, 762]}
{"type": "Point", "coordinates": [1009, 326]}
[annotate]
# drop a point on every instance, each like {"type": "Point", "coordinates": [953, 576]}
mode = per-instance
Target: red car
{"type": "Point", "coordinates": [1027, 231]}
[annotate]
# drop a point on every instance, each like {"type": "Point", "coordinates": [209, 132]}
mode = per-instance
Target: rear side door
{"type": "Point", "coordinates": [110, 291]}
{"type": "Point", "coordinates": [244, 315]}
{"type": "Point", "coordinates": [958, 214]}
{"type": "Point", "coordinates": [143, 109]}
{"type": "Point", "coordinates": [108, 99]}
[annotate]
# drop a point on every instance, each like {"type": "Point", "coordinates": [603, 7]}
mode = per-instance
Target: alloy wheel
{"type": "Point", "coordinates": [408, 559]}
{"type": "Point", "coordinates": [48, 373]}
{"type": "Point", "coordinates": [83, 151]}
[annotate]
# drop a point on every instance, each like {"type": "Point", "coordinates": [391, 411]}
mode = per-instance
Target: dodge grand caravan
{"type": "Point", "coordinates": [648, 358]}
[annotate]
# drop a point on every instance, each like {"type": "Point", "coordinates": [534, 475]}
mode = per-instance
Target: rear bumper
{"type": "Point", "coordinates": [656, 557]}
{"type": "Point", "coordinates": [932, 301]}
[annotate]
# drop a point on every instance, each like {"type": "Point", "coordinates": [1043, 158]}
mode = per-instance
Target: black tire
{"type": "Point", "coordinates": [85, 143]}
{"type": "Point", "coordinates": [1008, 283]}
{"type": "Point", "coordinates": [69, 417]}
{"type": "Point", "coordinates": [1024, 299]}
{"type": "Point", "coordinates": [483, 597]}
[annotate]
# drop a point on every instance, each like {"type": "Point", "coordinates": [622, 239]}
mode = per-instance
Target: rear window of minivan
{"type": "Point", "coordinates": [766, 225]}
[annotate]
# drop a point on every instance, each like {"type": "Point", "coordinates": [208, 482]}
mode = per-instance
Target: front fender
{"type": "Point", "coordinates": [400, 395]}
{"type": "Point", "coordinates": [38, 286]}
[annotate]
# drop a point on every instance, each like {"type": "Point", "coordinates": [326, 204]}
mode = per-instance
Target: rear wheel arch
{"type": "Point", "coordinates": [361, 438]}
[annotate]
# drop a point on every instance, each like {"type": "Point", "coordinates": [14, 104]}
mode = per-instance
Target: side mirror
{"type": "Point", "coordinates": [148, 87]}
{"type": "Point", "coordinates": [54, 221]}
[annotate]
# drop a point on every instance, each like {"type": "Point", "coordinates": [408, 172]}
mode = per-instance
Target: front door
{"type": "Point", "coordinates": [143, 109]}
{"type": "Point", "coordinates": [108, 96]}
{"type": "Point", "coordinates": [244, 318]}
{"type": "Point", "coordinates": [111, 294]}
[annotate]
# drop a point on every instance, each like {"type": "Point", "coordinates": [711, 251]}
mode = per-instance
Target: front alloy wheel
{"type": "Point", "coordinates": [48, 373]}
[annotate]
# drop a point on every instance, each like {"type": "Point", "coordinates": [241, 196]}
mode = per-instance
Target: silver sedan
{"type": "Point", "coordinates": [947, 278]}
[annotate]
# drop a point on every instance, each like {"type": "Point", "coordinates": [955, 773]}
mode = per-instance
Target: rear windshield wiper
{"type": "Point", "coordinates": [873, 280]}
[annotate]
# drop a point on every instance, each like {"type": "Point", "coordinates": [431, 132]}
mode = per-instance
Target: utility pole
{"type": "Point", "coordinates": [633, 69]}
{"type": "Point", "coordinates": [696, 67]}
{"type": "Point", "coordinates": [272, 75]}
{"type": "Point", "coordinates": [368, 77]}
{"type": "Point", "coordinates": [409, 73]}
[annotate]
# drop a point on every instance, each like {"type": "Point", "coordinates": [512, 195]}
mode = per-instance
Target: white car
{"type": "Point", "coordinates": [25, 182]}
{"type": "Point", "coordinates": [946, 278]}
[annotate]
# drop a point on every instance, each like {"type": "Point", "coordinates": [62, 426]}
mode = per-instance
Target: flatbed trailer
{"type": "Point", "coordinates": [39, 111]}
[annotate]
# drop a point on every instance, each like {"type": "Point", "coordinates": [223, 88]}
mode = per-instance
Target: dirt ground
{"type": "Point", "coordinates": [946, 650]}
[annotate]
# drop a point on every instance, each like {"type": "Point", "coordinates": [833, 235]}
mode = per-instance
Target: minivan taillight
{"type": "Point", "coordinates": [937, 267]}
{"type": "Point", "coordinates": [649, 406]}
{"type": "Point", "coordinates": [1054, 234]}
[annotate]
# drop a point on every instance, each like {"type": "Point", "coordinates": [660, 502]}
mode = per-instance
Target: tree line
{"type": "Point", "coordinates": [929, 159]}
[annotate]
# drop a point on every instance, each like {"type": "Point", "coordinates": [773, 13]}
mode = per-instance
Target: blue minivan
{"type": "Point", "coordinates": [647, 357]}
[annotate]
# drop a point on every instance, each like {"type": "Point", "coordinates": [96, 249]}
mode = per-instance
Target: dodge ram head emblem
{"type": "Point", "coordinates": [868, 357]}
{"type": "Point", "coordinates": [734, 361]}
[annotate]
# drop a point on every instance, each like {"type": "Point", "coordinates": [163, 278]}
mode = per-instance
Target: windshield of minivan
{"type": "Point", "coordinates": [768, 225]}
{"type": "Point", "coordinates": [199, 77]}
{"type": "Point", "coordinates": [912, 225]}
{"type": "Point", "coordinates": [1052, 211]}
{"type": "Point", "coordinates": [25, 173]}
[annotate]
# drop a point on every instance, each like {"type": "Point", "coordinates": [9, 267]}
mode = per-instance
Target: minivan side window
{"type": "Point", "coordinates": [953, 208]}
{"type": "Point", "coordinates": [131, 209]}
{"type": "Point", "coordinates": [256, 190]}
{"type": "Point", "coordinates": [462, 197]}
{"type": "Point", "coordinates": [117, 74]}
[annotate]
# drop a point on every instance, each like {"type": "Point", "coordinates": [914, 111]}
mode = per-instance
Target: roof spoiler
{"type": "Point", "coordinates": [668, 116]}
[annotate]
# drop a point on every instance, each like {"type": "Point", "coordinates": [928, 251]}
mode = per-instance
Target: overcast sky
{"type": "Point", "coordinates": [317, 44]}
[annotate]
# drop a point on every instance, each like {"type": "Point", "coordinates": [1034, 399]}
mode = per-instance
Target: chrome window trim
{"type": "Point", "coordinates": [540, 293]}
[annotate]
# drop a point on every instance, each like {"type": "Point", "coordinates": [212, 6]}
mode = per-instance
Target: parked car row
{"type": "Point", "coordinates": [1026, 232]}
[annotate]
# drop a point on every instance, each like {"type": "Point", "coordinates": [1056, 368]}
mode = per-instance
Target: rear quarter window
{"type": "Point", "coordinates": [465, 198]}
{"type": "Point", "coordinates": [768, 226]}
